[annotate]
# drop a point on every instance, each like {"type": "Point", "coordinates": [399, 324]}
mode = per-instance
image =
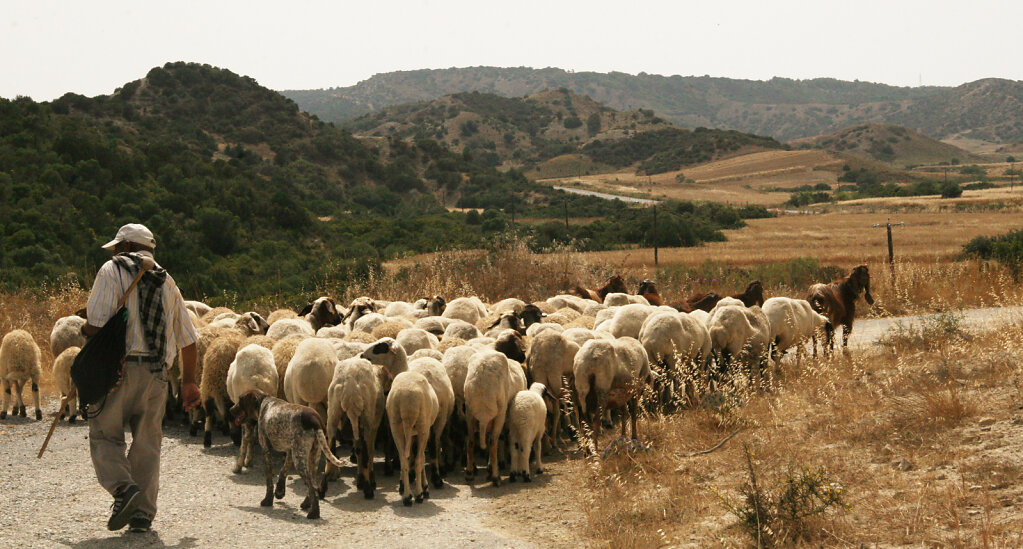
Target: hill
{"type": "Point", "coordinates": [524, 132]}
{"type": "Point", "coordinates": [782, 108]}
{"type": "Point", "coordinates": [892, 145]}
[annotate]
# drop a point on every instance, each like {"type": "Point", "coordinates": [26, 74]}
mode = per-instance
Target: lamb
{"type": "Point", "coordinates": [467, 309]}
{"type": "Point", "coordinates": [321, 312]}
{"type": "Point", "coordinates": [356, 394]}
{"type": "Point", "coordinates": [19, 363]}
{"type": "Point", "coordinates": [610, 374]}
{"type": "Point", "coordinates": [213, 386]}
{"type": "Point", "coordinates": [436, 374]}
{"type": "Point", "coordinates": [309, 374]}
{"type": "Point", "coordinates": [486, 392]}
{"type": "Point", "coordinates": [66, 333]}
{"type": "Point", "coordinates": [62, 378]}
{"type": "Point", "coordinates": [412, 409]}
{"type": "Point", "coordinates": [414, 339]}
{"type": "Point", "coordinates": [526, 421]}
{"type": "Point", "coordinates": [741, 334]}
{"type": "Point", "coordinates": [550, 357]}
{"type": "Point", "coordinates": [506, 321]}
{"type": "Point", "coordinates": [252, 368]}
{"type": "Point", "coordinates": [290, 326]}
{"type": "Point", "coordinates": [793, 323]}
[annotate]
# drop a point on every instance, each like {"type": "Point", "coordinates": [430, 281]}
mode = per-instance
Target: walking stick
{"type": "Point", "coordinates": [147, 264]}
{"type": "Point", "coordinates": [60, 413]}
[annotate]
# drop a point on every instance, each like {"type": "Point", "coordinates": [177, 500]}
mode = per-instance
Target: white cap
{"type": "Point", "coordinates": [132, 232]}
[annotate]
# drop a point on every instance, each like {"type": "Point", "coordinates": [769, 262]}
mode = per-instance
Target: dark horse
{"type": "Point", "coordinates": [837, 301]}
{"type": "Point", "coordinates": [753, 295]}
{"type": "Point", "coordinates": [614, 284]}
{"type": "Point", "coordinates": [648, 290]}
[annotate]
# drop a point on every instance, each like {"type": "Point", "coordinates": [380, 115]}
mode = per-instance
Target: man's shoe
{"type": "Point", "coordinates": [139, 523]}
{"type": "Point", "coordinates": [125, 504]}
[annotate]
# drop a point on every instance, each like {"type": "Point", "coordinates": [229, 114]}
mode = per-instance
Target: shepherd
{"type": "Point", "coordinates": [158, 327]}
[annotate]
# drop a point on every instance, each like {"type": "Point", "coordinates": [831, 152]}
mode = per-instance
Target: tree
{"type": "Point", "coordinates": [593, 124]}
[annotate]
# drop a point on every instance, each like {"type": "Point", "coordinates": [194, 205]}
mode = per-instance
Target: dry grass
{"type": "Point", "coordinates": [925, 444]}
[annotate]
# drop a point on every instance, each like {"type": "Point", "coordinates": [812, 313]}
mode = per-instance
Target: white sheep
{"type": "Point", "coordinates": [550, 358]}
{"type": "Point", "coordinates": [66, 386]}
{"type": "Point", "coordinates": [486, 393]}
{"type": "Point", "coordinates": [412, 409]}
{"type": "Point", "coordinates": [793, 323]}
{"type": "Point", "coordinates": [252, 368]}
{"type": "Point", "coordinates": [19, 363]}
{"type": "Point", "coordinates": [628, 320]}
{"type": "Point", "coordinates": [356, 394]}
{"type": "Point", "coordinates": [367, 322]}
{"type": "Point", "coordinates": [399, 308]}
{"type": "Point", "coordinates": [436, 325]}
{"type": "Point", "coordinates": [360, 306]}
{"type": "Point", "coordinates": [466, 309]}
{"type": "Point", "coordinates": [610, 374]}
{"type": "Point", "coordinates": [435, 373]}
{"type": "Point", "coordinates": [564, 300]}
{"type": "Point", "coordinates": [332, 332]}
{"type": "Point", "coordinates": [424, 353]}
{"type": "Point", "coordinates": [673, 339]}
{"type": "Point", "coordinates": [604, 316]}
{"type": "Point", "coordinates": [526, 421]}
{"type": "Point", "coordinates": [213, 385]}
{"type": "Point", "coordinates": [390, 355]}
{"type": "Point", "coordinates": [309, 373]}
{"type": "Point", "coordinates": [348, 349]}
{"type": "Point", "coordinates": [67, 332]}
{"type": "Point", "coordinates": [290, 326]}
{"type": "Point", "coordinates": [197, 307]}
{"type": "Point", "coordinates": [536, 329]}
{"type": "Point", "coordinates": [740, 334]}
{"type": "Point", "coordinates": [414, 339]}
{"type": "Point", "coordinates": [700, 316]}
{"type": "Point", "coordinates": [321, 312]}
{"type": "Point", "coordinates": [512, 304]}
{"type": "Point", "coordinates": [461, 330]}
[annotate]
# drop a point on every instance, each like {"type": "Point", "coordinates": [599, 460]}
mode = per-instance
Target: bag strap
{"type": "Point", "coordinates": [147, 264]}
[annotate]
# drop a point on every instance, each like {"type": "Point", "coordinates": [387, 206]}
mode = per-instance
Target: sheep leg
{"type": "Point", "coordinates": [19, 401]}
{"type": "Point", "coordinates": [335, 420]}
{"type": "Point", "coordinates": [368, 452]}
{"type": "Point", "coordinates": [470, 461]}
{"type": "Point", "coordinates": [208, 407]}
{"type": "Point", "coordinates": [403, 442]}
{"type": "Point", "coordinates": [35, 398]}
{"type": "Point", "coordinates": [282, 477]}
{"type": "Point", "coordinates": [495, 433]}
{"type": "Point", "coordinates": [7, 398]}
{"type": "Point", "coordinates": [72, 404]}
{"type": "Point", "coordinates": [435, 476]}
{"type": "Point", "coordinates": [422, 485]}
{"type": "Point", "coordinates": [597, 425]}
{"type": "Point", "coordinates": [536, 456]}
{"type": "Point", "coordinates": [633, 414]}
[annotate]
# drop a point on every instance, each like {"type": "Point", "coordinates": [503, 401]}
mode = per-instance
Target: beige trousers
{"type": "Point", "coordinates": [139, 404]}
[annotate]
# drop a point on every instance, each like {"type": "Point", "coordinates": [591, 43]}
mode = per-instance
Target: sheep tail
{"type": "Point", "coordinates": [321, 441]}
{"type": "Point", "coordinates": [354, 420]}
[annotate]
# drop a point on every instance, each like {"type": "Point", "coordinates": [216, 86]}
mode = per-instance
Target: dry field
{"type": "Point", "coordinates": [917, 442]}
{"type": "Point", "coordinates": [736, 180]}
{"type": "Point", "coordinates": [1002, 199]}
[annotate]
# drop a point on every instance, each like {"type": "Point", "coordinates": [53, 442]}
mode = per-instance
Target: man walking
{"type": "Point", "coordinates": [158, 326]}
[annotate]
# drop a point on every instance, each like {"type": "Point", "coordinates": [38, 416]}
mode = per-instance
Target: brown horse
{"type": "Point", "coordinates": [614, 284]}
{"type": "Point", "coordinates": [648, 290]}
{"type": "Point", "coordinates": [753, 295]}
{"type": "Point", "coordinates": [837, 301]}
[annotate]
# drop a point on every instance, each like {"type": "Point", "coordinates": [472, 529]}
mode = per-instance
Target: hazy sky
{"type": "Point", "coordinates": [91, 47]}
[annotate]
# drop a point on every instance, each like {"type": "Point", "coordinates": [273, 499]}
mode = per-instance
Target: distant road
{"type": "Point", "coordinates": [866, 332]}
{"type": "Point", "coordinates": [607, 196]}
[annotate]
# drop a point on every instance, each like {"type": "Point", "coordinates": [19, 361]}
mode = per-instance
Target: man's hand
{"type": "Point", "coordinates": [190, 395]}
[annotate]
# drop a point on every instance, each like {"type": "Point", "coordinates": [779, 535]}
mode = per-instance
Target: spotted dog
{"type": "Point", "coordinates": [290, 428]}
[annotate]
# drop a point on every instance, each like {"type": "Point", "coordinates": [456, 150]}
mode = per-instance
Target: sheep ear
{"type": "Point", "coordinates": [496, 322]}
{"type": "Point", "coordinates": [381, 348]}
{"type": "Point", "coordinates": [82, 313]}
{"type": "Point", "coordinates": [253, 325]}
{"type": "Point", "coordinates": [306, 310]}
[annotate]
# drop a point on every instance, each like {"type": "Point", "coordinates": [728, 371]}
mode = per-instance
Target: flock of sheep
{"type": "Point", "coordinates": [448, 375]}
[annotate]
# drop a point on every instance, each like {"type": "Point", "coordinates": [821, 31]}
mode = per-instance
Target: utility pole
{"type": "Point", "coordinates": [891, 249]}
{"type": "Point", "coordinates": [566, 214]}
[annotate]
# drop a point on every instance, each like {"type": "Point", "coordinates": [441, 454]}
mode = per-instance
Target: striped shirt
{"type": "Point", "coordinates": [110, 285]}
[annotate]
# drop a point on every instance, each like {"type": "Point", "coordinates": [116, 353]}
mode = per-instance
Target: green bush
{"type": "Point", "coordinates": [572, 122]}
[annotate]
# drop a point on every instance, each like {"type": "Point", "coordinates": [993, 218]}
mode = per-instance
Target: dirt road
{"type": "Point", "coordinates": [56, 502]}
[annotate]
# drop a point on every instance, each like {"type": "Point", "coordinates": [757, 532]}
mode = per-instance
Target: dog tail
{"type": "Point", "coordinates": [321, 441]}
